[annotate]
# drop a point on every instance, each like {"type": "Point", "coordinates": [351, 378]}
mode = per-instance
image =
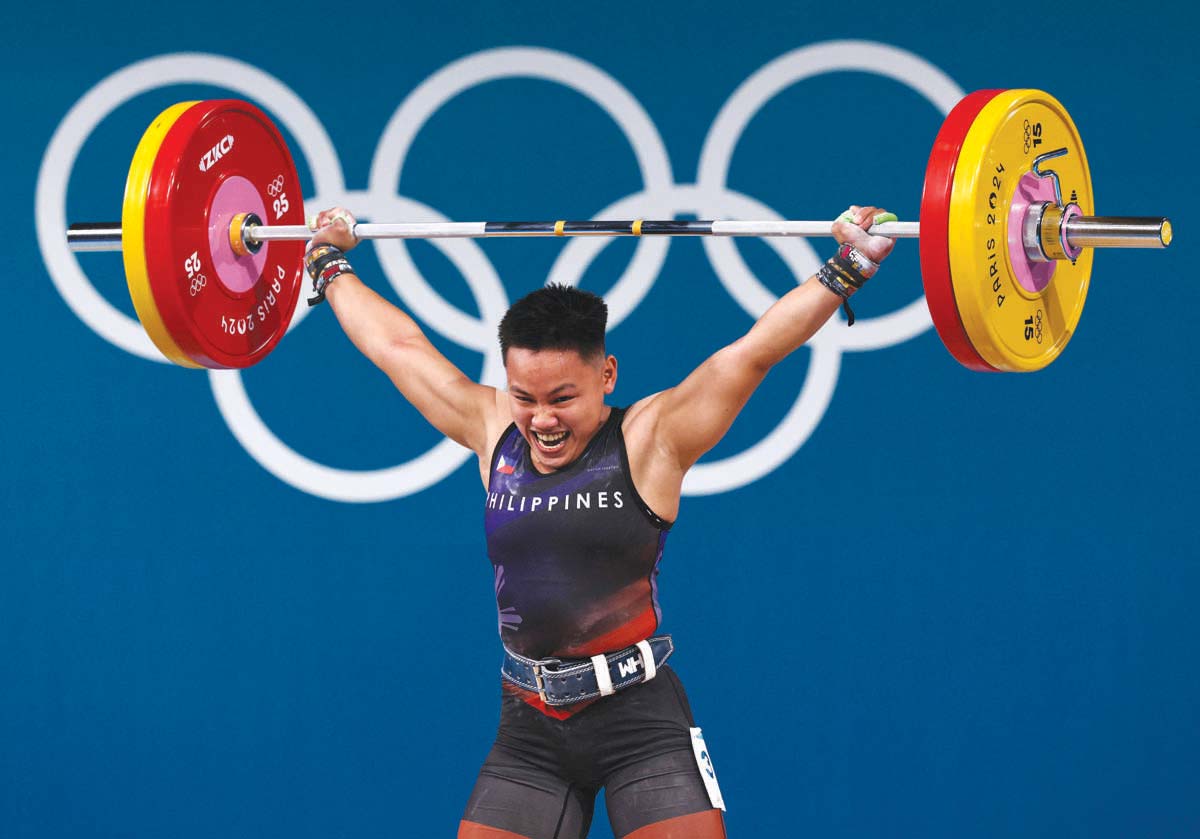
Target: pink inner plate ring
{"type": "Point", "coordinates": [235, 195]}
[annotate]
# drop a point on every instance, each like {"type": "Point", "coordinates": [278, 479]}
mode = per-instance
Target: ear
{"type": "Point", "coordinates": [609, 373]}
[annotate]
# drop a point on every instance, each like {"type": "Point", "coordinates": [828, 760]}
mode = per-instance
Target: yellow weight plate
{"type": "Point", "coordinates": [133, 232]}
{"type": "Point", "coordinates": [1011, 327]}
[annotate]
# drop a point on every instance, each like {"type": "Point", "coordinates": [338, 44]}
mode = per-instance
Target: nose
{"type": "Point", "coordinates": [543, 418]}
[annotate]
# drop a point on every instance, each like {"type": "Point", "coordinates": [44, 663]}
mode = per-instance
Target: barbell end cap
{"type": "Point", "coordinates": [94, 236]}
{"type": "Point", "coordinates": [1165, 234]}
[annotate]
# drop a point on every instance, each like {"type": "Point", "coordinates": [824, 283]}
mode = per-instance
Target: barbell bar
{"type": "Point", "coordinates": [1005, 260]}
{"type": "Point", "coordinates": [1081, 232]}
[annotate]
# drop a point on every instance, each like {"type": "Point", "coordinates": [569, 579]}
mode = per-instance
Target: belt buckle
{"type": "Point", "coordinates": [541, 685]}
{"type": "Point", "coordinates": [538, 667]}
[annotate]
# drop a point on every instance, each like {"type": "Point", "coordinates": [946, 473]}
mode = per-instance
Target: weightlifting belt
{"type": "Point", "coordinates": [563, 681]}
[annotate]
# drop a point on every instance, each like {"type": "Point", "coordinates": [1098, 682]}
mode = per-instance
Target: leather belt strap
{"type": "Point", "coordinates": [560, 681]}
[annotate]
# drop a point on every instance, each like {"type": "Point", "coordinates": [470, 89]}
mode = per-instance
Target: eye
{"type": "Point", "coordinates": [524, 399]}
{"type": "Point", "coordinates": [563, 399]}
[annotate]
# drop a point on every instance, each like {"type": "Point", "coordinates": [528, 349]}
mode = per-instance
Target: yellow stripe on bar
{"type": "Point", "coordinates": [559, 227]}
{"type": "Point", "coordinates": [637, 228]}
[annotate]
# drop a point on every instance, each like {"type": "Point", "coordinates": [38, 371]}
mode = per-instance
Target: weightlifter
{"type": "Point", "coordinates": [580, 496]}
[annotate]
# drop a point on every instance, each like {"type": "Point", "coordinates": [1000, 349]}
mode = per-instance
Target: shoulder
{"type": "Point", "coordinates": [640, 425]}
{"type": "Point", "coordinates": [653, 466]}
{"type": "Point", "coordinates": [499, 420]}
{"type": "Point", "coordinates": [640, 414]}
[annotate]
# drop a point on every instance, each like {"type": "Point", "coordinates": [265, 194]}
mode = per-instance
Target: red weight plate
{"type": "Point", "coordinates": [219, 159]}
{"type": "Point", "coordinates": [935, 223]}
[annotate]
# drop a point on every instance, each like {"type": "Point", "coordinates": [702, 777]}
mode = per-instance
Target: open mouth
{"type": "Point", "coordinates": [551, 442]}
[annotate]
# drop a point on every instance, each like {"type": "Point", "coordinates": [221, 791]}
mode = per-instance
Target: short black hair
{"type": "Point", "coordinates": [555, 317]}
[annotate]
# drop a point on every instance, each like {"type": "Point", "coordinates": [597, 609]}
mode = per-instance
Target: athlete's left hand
{"type": "Point", "coordinates": [854, 232]}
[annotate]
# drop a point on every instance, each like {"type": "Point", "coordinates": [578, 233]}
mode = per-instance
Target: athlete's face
{"type": "Point", "coordinates": [557, 400]}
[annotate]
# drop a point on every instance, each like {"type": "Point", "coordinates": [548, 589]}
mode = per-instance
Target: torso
{"type": "Point", "coordinates": [575, 552]}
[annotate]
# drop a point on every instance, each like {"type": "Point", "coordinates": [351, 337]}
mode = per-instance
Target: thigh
{"type": "Point", "coordinates": [522, 789]}
{"type": "Point", "coordinates": [514, 796]}
{"type": "Point", "coordinates": [664, 790]}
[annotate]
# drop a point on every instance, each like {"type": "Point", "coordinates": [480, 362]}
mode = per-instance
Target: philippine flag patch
{"type": "Point", "coordinates": [504, 467]}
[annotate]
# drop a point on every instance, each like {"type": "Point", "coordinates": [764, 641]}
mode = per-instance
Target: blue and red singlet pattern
{"type": "Point", "coordinates": [575, 552]}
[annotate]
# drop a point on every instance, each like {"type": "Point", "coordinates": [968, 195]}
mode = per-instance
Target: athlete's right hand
{"type": "Point", "coordinates": [335, 226]}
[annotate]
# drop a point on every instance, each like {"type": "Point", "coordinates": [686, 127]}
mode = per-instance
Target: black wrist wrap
{"type": "Point", "coordinates": [324, 263]}
{"type": "Point", "coordinates": [841, 277]}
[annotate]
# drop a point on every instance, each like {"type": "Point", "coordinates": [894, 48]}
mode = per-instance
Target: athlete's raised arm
{"type": "Point", "coordinates": [692, 417]}
{"type": "Point", "coordinates": [465, 411]}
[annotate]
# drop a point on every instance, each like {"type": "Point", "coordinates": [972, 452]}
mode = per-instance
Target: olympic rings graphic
{"type": "Point", "coordinates": [661, 196]}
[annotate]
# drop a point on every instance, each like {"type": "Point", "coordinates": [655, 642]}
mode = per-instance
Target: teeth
{"type": "Point", "coordinates": [550, 440]}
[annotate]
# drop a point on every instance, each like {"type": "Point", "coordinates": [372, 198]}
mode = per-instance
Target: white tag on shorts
{"type": "Point", "coordinates": [706, 769]}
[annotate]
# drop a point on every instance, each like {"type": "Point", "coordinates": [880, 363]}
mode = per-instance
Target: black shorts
{"type": "Point", "coordinates": [541, 777]}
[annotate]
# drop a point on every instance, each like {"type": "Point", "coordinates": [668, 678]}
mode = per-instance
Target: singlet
{"type": "Point", "coordinates": [575, 552]}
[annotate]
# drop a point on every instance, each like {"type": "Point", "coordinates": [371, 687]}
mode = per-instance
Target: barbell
{"type": "Point", "coordinates": [1006, 232]}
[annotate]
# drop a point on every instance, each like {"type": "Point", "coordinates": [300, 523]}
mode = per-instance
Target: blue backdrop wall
{"type": "Point", "coordinates": [223, 598]}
